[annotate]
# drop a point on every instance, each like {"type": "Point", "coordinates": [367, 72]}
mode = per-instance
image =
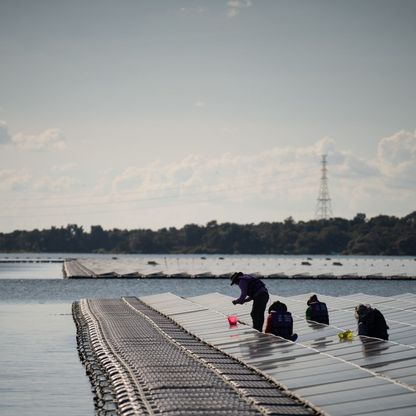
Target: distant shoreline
{"type": "Point", "coordinates": [381, 235]}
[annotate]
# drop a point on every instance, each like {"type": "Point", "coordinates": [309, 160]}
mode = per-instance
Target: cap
{"type": "Point", "coordinates": [234, 277]}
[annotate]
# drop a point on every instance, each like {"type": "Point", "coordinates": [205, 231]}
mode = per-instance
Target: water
{"type": "Point", "coordinates": [193, 264]}
{"type": "Point", "coordinates": [40, 370]}
{"type": "Point", "coordinates": [15, 291]}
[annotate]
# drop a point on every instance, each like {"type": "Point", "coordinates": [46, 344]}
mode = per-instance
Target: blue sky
{"type": "Point", "coordinates": [161, 113]}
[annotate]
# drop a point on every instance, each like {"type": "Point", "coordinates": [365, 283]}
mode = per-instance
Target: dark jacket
{"type": "Point", "coordinates": [280, 323]}
{"type": "Point", "coordinates": [373, 324]}
{"type": "Point", "coordinates": [318, 312]}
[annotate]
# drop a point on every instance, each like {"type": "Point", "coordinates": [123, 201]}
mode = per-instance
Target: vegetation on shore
{"type": "Point", "coordinates": [380, 235]}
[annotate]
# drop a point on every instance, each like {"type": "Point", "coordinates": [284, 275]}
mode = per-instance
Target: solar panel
{"type": "Point", "coordinates": [372, 392]}
{"type": "Point", "coordinates": [391, 403]}
{"type": "Point", "coordinates": [318, 363]}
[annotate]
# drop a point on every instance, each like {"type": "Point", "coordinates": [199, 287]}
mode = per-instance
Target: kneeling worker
{"type": "Point", "coordinates": [280, 322]}
{"type": "Point", "coordinates": [252, 289]}
{"type": "Point", "coordinates": [371, 322]}
{"type": "Point", "coordinates": [317, 311]}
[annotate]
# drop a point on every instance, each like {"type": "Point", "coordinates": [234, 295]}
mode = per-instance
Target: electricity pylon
{"type": "Point", "coordinates": [323, 205]}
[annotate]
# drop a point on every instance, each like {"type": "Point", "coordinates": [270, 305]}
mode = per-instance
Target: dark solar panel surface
{"type": "Point", "coordinates": [361, 376]}
{"type": "Point", "coordinates": [152, 366]}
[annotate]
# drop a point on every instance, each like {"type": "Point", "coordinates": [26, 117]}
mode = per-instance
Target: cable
{"type": "Point", "coordinates": [181, 200]}
{"type": "Point", "coordinates": [144, 199]}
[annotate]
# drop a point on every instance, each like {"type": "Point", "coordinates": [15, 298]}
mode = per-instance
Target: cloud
{"type": "Point", "coordinates": [234, 6]}
{"type": "Point", "coordinates": [229, 175]}
{"type": "Point", "coordinates": [131, 177]}
{"type": "Point", "coordinates": [397, 156]}
{"type": "Point", "coordinates": [12, 180]}
{"type": "Point", "coordinates": [325, 146]}
{"type": "Point", "coordinates": [347, 165]}
{"type": "Point", "coordinates": [287, 178]}
{"type": "Point", "coordinates": [61, 184]}
{"type": "Point", "coordinates": [48, 139]}
{"type": "Point", "coordinates": [265, 186]}
{"type": "Point", "coordinates": [156, 178]}
{"type": "Point", "coordinates": [5, 137]}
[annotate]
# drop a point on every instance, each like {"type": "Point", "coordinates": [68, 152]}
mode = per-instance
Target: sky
{"type": "Point", "coordinates": [150, 114]}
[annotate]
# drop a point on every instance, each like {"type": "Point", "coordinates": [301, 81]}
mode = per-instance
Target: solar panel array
{"type": "Point", "coordinates": [363, 376]}
{"type": "Point", "coordinates": [271, 267]}
{"type": "Point", "coordinates": [141, 363]}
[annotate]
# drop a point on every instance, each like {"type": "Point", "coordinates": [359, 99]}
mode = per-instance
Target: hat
{"type": "Point", "coordinates": [361, 310]}
{"type": "Point", "coordinates": [234, 277]}
{"type": "Point", "coordinates": [312, 299]}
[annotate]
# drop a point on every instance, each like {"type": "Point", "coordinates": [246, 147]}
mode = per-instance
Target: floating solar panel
{"type": "Point", "coordinates": [141, 362]}
{"type": "Point", "coordinates": [319, 361]}
{"type": "Point", "coordinates": [164, 354]}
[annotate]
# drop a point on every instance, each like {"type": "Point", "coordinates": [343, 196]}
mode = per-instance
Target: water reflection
{"type": "Point", "coordinates": [264, 347]}
{"type": "Point", "coordinates": [372, 347]}
{"type": "Point", "coordinates": [268, 352]}
{"type": "Point", "coordinates": [315, 325]}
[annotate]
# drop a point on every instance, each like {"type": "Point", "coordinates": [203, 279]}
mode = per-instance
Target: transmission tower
{"type": "Point", "coordinates": [323, 205]}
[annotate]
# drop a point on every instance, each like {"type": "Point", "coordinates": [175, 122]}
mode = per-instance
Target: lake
{"type": "Point", "coordinates": [40, 368]}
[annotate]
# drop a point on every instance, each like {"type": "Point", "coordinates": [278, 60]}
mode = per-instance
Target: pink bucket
{"type": "Point", "coordinates": [232, 320]}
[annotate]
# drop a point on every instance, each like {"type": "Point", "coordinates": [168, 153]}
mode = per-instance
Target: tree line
{"type": "Point", "coordinates": [380, 235]}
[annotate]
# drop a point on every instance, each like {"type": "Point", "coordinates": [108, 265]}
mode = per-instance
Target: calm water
{"type": "Point", "coordinates": [40, 370]}
{"type": "Point", "coordinates": [194, 264]}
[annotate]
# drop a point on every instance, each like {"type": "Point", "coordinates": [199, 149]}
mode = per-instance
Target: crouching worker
{"type": "Point", "coordinates": [371, 322]}
{"type": "Point", "coordinates": [317, 311]}
{"type": "Point", "coordinates": [280, 322]}
{"type": "Point", "coordinates": [252, 289]}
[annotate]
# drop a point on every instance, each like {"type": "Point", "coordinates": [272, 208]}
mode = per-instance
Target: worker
{"type": "Point", "coordinates": [252, 289]}
{"type": "Point", "coordinates": [317, 311]}
{"type": "Point", "coordinates": [280, 322]}
{"type": "Point", "coordinates": [371, 322]}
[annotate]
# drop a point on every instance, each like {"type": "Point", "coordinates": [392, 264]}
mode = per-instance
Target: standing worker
{"type": "Point", "coordinates": [252, 289]}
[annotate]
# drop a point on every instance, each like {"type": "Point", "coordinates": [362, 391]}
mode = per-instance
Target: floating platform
{"type": "Point", "coordinates": [30, 260]}
{"type": "Point", "coordinates": [119, 269]}
{"type": "Point", "coordinates": [74, 269]}
{"type": "Point", "coordinates": [163, 354]}
{"type": "Point", "coordinates": [142, 363]}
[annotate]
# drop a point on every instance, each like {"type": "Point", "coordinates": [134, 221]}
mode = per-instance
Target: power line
{"type": "Point", "coordinates": [196, 193]}
{"type": "Point", "coordinates": [213, 195]}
